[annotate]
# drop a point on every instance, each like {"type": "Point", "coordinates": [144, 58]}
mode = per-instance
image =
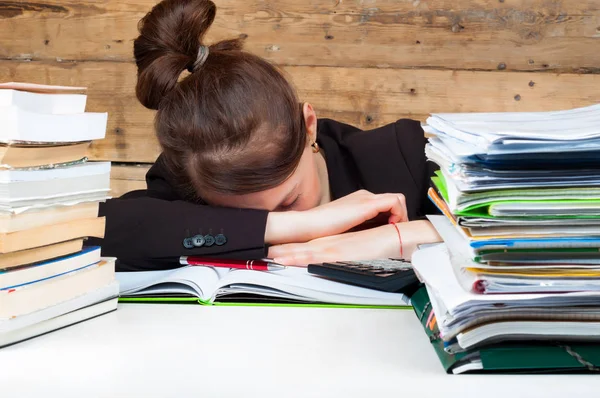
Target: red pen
{"type": "Point", "coordinates": [254, 265]}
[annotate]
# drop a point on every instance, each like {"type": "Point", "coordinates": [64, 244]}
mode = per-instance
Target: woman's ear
{"type": "Point", "coordinates": [310, 121]}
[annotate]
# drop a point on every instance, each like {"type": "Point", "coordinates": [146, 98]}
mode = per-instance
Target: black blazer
{"type": "Point", "coordinates": [146, 229]}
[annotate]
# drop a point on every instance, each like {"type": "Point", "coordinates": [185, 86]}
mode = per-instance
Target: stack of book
{"type": "Point", "coordinates": [49, 198]}
{"type": "Point", "coordinates": [516, 284]}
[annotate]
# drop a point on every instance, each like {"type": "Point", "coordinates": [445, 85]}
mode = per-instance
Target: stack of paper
{"type": "Point", "coordinates": [521, 188]}
{"type": "Point", "coordinates": [521, 197]}
{"type": "Point", "coordinates": [49, 201]}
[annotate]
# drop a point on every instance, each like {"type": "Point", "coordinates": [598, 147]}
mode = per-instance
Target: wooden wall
{"type": "Point", "coordinates": [364, 62]}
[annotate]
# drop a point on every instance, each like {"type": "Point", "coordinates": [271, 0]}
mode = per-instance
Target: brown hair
{"type": "Point", "coordinates": [234, 125]}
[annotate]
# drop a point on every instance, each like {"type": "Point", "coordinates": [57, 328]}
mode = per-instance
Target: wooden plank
{"type": "Point", "coordinates": [559, 35]}
{"type": "Point", "coordinates": [369, 96]}
{"type": "Point", "coordinates": [125, 178]}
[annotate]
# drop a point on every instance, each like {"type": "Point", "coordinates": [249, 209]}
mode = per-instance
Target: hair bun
{"type": "Point", "coordinates": [169, 42]}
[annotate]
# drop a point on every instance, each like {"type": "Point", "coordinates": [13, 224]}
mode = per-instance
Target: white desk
{"type": "Point", "coordinates": [184, 350]}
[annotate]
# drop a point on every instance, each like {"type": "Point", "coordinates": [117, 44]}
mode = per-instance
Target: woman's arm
{"type": "Point", "coordinates": [335, 217]}
{"type": "Point", "coordinates": [148, 233]}
{"type": "Point", "coordinates": [374, 243]}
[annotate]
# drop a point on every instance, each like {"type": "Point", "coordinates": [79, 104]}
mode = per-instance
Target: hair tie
{"type": "Point", "coordinates": [200, 59]}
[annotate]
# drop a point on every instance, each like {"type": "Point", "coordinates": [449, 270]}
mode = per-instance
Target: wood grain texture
{"type": "Point", "coordinates": [558, 35]}
{"type": "Point", "coordinates": [125, 178]}
{"type": "Point", "coordinates": [365, 97]}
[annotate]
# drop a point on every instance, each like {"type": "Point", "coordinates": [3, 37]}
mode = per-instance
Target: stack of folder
{"type": "Point", "coordinates": [519, 270]}
{"type": "Point", "coordinates": [49, 200]}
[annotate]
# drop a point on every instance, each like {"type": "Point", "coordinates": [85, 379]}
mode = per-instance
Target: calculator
{"type": "Point", "coordinates": [389, 275]}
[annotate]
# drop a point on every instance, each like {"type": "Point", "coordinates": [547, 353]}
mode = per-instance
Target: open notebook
{"type": "Point", "coordinates": [209, 285]}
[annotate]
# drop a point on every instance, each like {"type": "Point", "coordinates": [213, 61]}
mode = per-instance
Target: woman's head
{"type": "Point", "coordinates": [232, 130]}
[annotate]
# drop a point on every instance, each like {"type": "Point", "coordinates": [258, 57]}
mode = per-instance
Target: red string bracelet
{"type": "Point", "coordinates": [399, 237]}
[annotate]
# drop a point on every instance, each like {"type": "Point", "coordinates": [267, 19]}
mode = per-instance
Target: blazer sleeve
{"type": "Point", "coordinates": [147, 233]}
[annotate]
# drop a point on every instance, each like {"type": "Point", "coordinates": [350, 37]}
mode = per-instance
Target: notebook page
{"type": "Point", "coordinates": [297, 281]}
{"type": "Point", "coordinates": [566, 125]}
{"type": "Point", "coordinates": [203, 280]}
{"type": "Point", "coordinates": [521, 116]}
{"type": "Point", "coordinates": [444, 128]}
{"type": "Point", "coordinates": [456, 149]}
{"type": "Point", "coordinates": [558, 129]}
{"type": "Point", "coordinates": [264, 292]}
{"type": "Point", "coordinates": [168, 288]}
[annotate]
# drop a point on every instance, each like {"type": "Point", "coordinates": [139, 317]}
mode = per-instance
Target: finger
{"type": "Point", "coordinates": [403, 217]}
{"type": "Point", "coordinates": [395, 204]}
{"type": "Point", "coordinates": [394, 218]}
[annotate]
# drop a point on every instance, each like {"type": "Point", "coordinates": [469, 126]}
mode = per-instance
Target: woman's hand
{"type": "Point", "coordinates": [335, 217]}
{"type": "Point", "coordinates": [375, 243]}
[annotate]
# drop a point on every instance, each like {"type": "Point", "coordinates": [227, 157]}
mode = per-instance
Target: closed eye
{"type": "Point", "coordinates": [289, 206]}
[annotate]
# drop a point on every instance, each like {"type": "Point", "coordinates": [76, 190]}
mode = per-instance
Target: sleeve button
{"type": "Point", "coordinates": [198, 240]}
{"type": "Point", "coordinates": [220, 240]}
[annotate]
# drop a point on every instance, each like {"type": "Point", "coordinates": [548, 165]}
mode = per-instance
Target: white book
{"type": "Point", "coordinates": [38, 174]}
{"type": "Point", "coordinates": [43, 103]}
{"type": "Point", "coordinates": [59, 322]}
{"type": "Point", "coordinates": [212, 284]}
{"type": "Point", "coordinates": [19, 206]}
{"type": "Point", "coordinates": [28, 188]}
{"type": "Point", "coordinates": [11, 221]}
{"type": "Point", "coordinates": [14, 277]}
{"type": "Point", "coordinates": [36, 296]}
{"type": "Point", "coordinates": [101, 294]}
{"type": "Point", "coordinates": [20, 125]}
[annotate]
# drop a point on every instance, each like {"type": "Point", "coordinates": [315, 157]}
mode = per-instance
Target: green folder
{"type": "Point", "coordinates": [546, 254]}
{"type": "Point", "coordinates": [509, 357]}
{"type": "Point", "coordinates": [482, 210]}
